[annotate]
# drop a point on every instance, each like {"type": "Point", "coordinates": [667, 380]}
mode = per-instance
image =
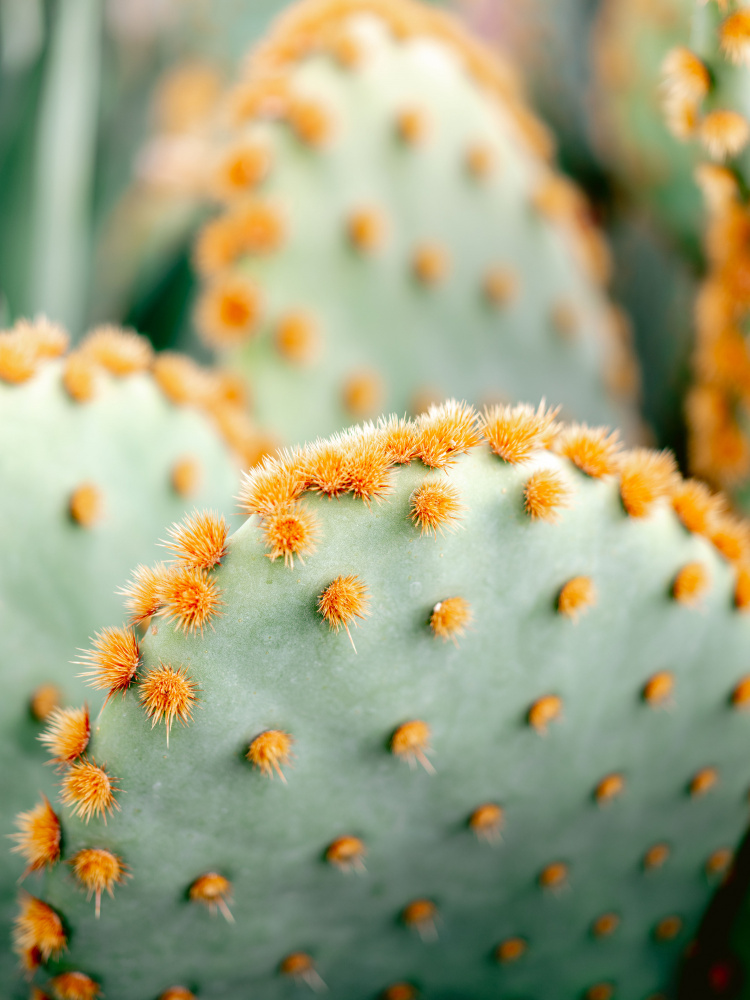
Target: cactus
{"type": "Point", "coordinates": [386, 187]}
{"type": "Point", "coordinates": [473, 729]}
{"type": "Point", "coordinates": [99, 448]}
{"type": "Point", "coordinates": [652, 167]}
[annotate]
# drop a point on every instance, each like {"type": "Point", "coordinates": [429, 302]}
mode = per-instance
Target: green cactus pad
{"type": "Point", "coordinates": [95, 457]}
{"type": "Point", "coordinates": [394, 231]}
{"type": "Point", "coordinates": [533, 752]}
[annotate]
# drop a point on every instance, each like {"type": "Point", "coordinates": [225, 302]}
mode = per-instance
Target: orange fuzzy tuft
{"type": "Point", "coordinates": [592, 449]}
{"type": "Point", "coordinates": [228, 312]}
{"type": "Point", "coordinates": [275, 483]}
{"type": "Point", "coordinates": [311, 121]}
{"type": "Point", "coordinates": [300, 966]}
{"type": "Point", "coordinates": [342, 601]}
{"type": "Point", "coordinates": [685, 77]}
{"type": "Point", "coordinates": [79, 377]}
{"type": "Point", "coordinates": [367, 466]}
{"type": "Point", "coordinates": [191, 598]}
{"type": "Point", "coordinates": [47, 339]}
{"type": "Point", "coordinates": [450, 618]}
{"type": "Point", "coordinates": [487, 821]}
{"type": "Point", "coordinates": [399, 991]}
{"type": "Point", "coordinates": [510, 950]}
{"type": "Point", "coordinates": [180, 378]}
{"type": "Point", "coordinates": [668, 929]}
{"type": "Point", "coordinates": [185, 476]}
{"type": "Point", "coordinates": [421, 915]}
{"type": "Point", "coordinates": [120, 352]}
{"type": "Point", "coordinates": [656, 856]}
{"type": "Point", "coordinates": [724, 133]}
{"type": "Point", "coordinates": [658, 689]}
{"type": "Point", "coordinates": [367, 229]}
{"type": "Point", "coordinates": [720, 862]}
{"type": "Point", "coordinates": [177, 993]}
{"type": "Point", "coordinates": [289, 532]}
{"type": "Point", "coordinates": [113, 661]}
{"type": "Point", "coordinates": [67, 734]}
{"type": "Point", "coordinates": [38, 837]}
{"type": "Point", "coordinates": [261, 227]}
{"type": "Point", "coordinates": [74, 986]}
{"type": "Point", "coordinates": [37, 927]}
{"type": "Point", "coordinates": [731, 537]}
{"type": "Point", "coordinates": [742, 588]}
{"type": "Point", "coordinates": [741, 694]}
{"type": "Point", "coordinates": [270, 751]}
{"type": "Point", "coordinates": [85, 505]}
{"type": "Point", "coordinates": [400, 440]}
{"type": "Point", "coordinates": [703, 781]}
{"type": "Point", "coordinates": [565, 319]}
{"type": "Point", "coordinates": [480, 160]}
{"type": "Point", "coordinates": [143, 594]}
{"type": "Point", "coordinates": [605, 925]}
{"type": "Point", "coordinates": [515, 432]}
{"type": "Point", "coordinates": [545, 495]}
{"type": "Point", "coordinates": [557, 198]}
{"type": "Point", "coordinates": [435, 506]}
{"type": "Point", "coordinates": [241, 168]}
{"type": "Point", "coordinates": [186, 95]}
{"type": "Point", "coordinates": [98, 871]}
{"type": "Point", "coordinates": [347, 853]}
{"type": "Point", "coordinates": [88, 790]}
{"type": "Point", "coordinates": [44, 701]}
{"type": "Point", "coordinates": [577, 596]}
{"type": "Point", "coordinates": [544, 711]}
{"type": "Point", "coordinates": [646, 477]}
{"type": "Point", "coordinates": [169, 694]}
{"type": "Point", "coordinates": [217, 246]}
{"type": "Point", "coordinates": [691, 583]}
{"type": "Point", "coordinates": [413, 126]}
{"type": "Point", "coordinates": [501, 286]}
{"type": "Point", "coordinates": [18, 359]}
{"type": "Point", "coordinates": [215, 892]}
{"type": "Point", "coordinates": [411, 742]}
{"type": "Point", "coordinates": [326, 469]}
{"type": "Point", "coordinates": [600, 991]}
{"type": "Point", "coordinates": [297, 339]}
{"type": "Point", "coordinates": [431, 264]}
{"type": "Point", "coordinates": [445, 432]}
{"type": "Point", "coordinates": [696, 506]}
{"type": "Point", "coordinates": [734, 37]}
{"type": "Point", "coordinates": [200, 540]}
{"type": "Point", "coordinates": [362, 394]}
{"type": "Point", "coordinates": [554, 876]}
{"type": "Point", "coordinates": [609, 788]}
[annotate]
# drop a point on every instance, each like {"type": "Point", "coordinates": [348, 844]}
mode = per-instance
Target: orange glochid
{"type": "Point", "coordinates": [342, 601]}
{"type": "Point", "coordinates": [228, 311]}
{"type": "Point", "coordinates": [300, 966]}
{"type": "Point", "coordinates": [185, 476]}
{"type": "Point", "coordinates": [592, 449]}
{"type": "Point", "coordinates": [367, 229]}
{"type": "Point", "coordinates": [218, 245]}
{"type": "Point", "coordinates": [169, 694]}
{"type": "Point", "coordinates": [609, 788]}
{"type": "Point", "coordinates": [67, 734]}
{"type": "Point", "coordinates": [742, 588]}
{"type": "Point", "coordinates": [554, 876]}
{"type": "Point", "coordinates": [399, 991]}
{"type": "Point", "coordinates": [645, 478]}
{"type": "Point", "coordinates": [731, 536]}
{"type": "Point", "coordinates": [605, 925]}
{"type": "Point", "coordinates": [296, 338]}
{"type": "Point", "coordinates": [545, 711]}
{"type": "Point", "coordinates": [545, 495]}
{"type": "Point", "coordinates": [98, 871]}
{"type": "Point", "coordinates": [691, 583]}
{"type": "Point", "coordinates": [445, 432]}
{"type": "Point", "coordinates": [703, 781]}
{"type": "Point", "coordinates": [510, 950]}
{"type": "Point", "coordinates": [143, 593]}
{"type": "Point", "coordinates": [89, 790]}
{"type": "Point", "coordinates": [120, 352]}
{"type": "Point", "coordinates": [86, 505]}
{"type": "Point", "coordinates": [431, 264]}
{"type": "Point", "coordinates": [347, 853]}
{"type": "Point", "coordinates": [74, 986]}
{"type": "Point", "coordinates": [367, 466]}
{"type": "Point", "coordinates": [177, 993]}
{"type": "Point", "coordinates": [668, 928]}
{"type": "Point", "coordinates": [79, 377]}
{"type": "Point", "coordinates": [720, 862]}
{"type": "Point", "coordinates": [741, 693]}
{"type": "Point", "coordinates": [270, 751]}
{"type": "Point", "coordinates": [501, 285]}
{"type": "Point", "coordinates": [576, 597]}
{"type": "Point", "coordinates": [656, 856]}
{"type": "Point", "coordinates": [724, 133]}
{"type": "Point", "coordinates": [191, 598]}
{"type": "Point", "coordinates": [600, 991]}
{"type": "Point", "coordinates": [734, 37]}
{"type": "Point", "coordinates": [213, 891]}
{"type": "Point", "coordinates": [411, 742]}
{"type": "Point", "coordinates": [400, 440]}
{"type": "Point", "coordinates": [487, 821]}
{"type": "Point", "coordinates": [18, 359]}
{"type": "Point", "coordinates": [413, 125]}
{"type": "Point", "coordinates": [450, 618]}
{"type": "Point", "coordinates": [696, 506]}
{"type": "Point", "coordinates": [311, 121]}
{"type": "Point", "coordinates": [436, 506]}
{"type": "Point", "coordinates": [44, 700]}
{"type": "Point", "coordinates": [38, 927]}
{"type": "Point", "coordinates": [514, 433]}
{"type": "Point", "coordinates": [421, 915]}
{"type": "Point", "coordinates": [326, 467]}
{"type": "Point", "coordinates": [290, 531]}
{"type": "Point", "coordinates": [276, 482]}
{"type": "Point", "coordinates": [362, 394]}
{"type": "Point", "coordinates": [38, 837]}
{"type": "Point", "coordinates": [113, 660]}
{"type": "Point", "coordinates": [658, 689]}
{"type": "Point", "coordinates": [480, 160]}
{"type": "Point", "coordinates": [240, 168]}
{"type": "Point", "coordinates": [200, 540]}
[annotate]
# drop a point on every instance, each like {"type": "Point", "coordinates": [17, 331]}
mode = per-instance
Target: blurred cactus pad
{"type": "Point", "coordinates": [524, 780]}
{"type": "Point", "coordinates": [99, 449]}
{"type": "Point", "coordinates": [393, 231]}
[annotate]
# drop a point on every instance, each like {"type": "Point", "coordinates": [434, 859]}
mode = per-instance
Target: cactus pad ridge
{"type": "Point", "coordinates": [272, 668]}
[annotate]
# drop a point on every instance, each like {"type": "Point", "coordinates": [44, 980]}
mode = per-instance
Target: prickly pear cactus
{"type": "Point", "coordinates": [652, 166]}
{"type": "Point", "coordinates": [99, 448]}
{"type": "Point", "coordinates": [707, 91]}
{"type": "Point", "coordinates": [393, 231]}
{"type": "Point", "coordinates": [455, 712]}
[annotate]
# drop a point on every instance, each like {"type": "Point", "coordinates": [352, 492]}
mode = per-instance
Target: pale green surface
{"type": "Point", "coordinates": [270, 661]}
{"type": "Point", "coordinates": [371, 312]}
{"type": "Point", "coordinates": [57, 579]}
